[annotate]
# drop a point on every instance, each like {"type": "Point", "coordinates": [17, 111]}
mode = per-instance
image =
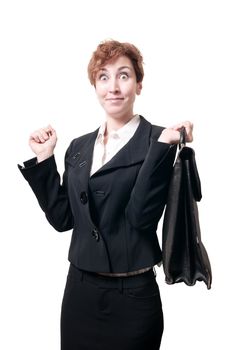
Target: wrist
{"type": "Point", "coordinates": [164, 137]}
{"type": "Point", "coordinates": [169, 136]}
{"type": "Point", "coordinates": [43, 156]}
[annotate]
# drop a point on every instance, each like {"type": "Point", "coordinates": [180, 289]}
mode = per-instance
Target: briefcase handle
{"type": "Point", "coordinates": [182, 141]}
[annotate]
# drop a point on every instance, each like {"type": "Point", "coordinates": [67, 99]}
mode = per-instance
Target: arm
{"type": "Point", "coordinates": [148, 197]}
{"type": "Point", "coordinates": [149, 194]}
{"type": "Point", "coordinates": [44, 179]}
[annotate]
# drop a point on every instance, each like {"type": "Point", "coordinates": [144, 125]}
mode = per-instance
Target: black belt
{"type": "Point", "coordinates": [111, 282]}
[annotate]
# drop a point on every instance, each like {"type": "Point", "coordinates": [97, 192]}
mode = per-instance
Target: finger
{"type": "Point", "coordinates": [189, 131]}
{"type": "Point", "coordinates": [51, 131]}
{"type": "Point", "coordinates": [48, 130]}
{"type": "Point", "coordinates": [189, 134]}
{"type": "Point", "coordinates": [44, 134]}
{"type": "Point", "coordinates": [34, 137]}
{"type": "Point", "coordinates": [39, 136]}
{"type": "Point", "coordinates": [187, 124]}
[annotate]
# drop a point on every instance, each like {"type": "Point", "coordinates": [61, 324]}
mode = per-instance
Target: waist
{"type": "Point", "coordinates": [125, 274]}
{"type": "Point", "coordinates": [106, 281]}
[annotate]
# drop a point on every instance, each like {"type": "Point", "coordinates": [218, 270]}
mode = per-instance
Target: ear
{"type": "Point", "coordinates": [139, 88]}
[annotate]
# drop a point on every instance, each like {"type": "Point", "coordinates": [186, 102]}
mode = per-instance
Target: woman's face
{"type": "Point", "coordinates": [116, 88]}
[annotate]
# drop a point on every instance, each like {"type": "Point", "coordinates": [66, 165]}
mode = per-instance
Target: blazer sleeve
{"type": "Point", "coordinates": [45, 182]}
{"type": "Point", "coordinates": [148, 197]}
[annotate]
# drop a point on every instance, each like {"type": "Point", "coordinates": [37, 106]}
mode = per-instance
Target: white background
{"type": "Point", "coordinates": [45, 48]}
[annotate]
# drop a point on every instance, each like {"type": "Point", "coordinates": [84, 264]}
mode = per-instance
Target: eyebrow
{"type": "Point", "coordinates": [119, 69]}
{"type": "Point", "coordinates": [123, 67]}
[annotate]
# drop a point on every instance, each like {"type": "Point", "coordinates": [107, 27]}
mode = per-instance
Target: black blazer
{"type": "Point", "coordinates": [114, 213]}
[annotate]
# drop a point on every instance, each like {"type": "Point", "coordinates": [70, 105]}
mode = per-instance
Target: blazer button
{"type": "Point", "coordinates": [76, 155]}
{"type": "Point", "coordinates": [95, 234]}
{"type": "Point", "coordinates": [83, 197]}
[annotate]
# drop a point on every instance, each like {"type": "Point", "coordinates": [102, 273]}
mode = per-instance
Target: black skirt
{"type": "Point", "coordinates": [111, 313]}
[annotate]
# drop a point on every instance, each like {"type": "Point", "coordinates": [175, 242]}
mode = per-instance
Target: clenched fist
{"type": "Point", "coordinates": [43, 142]}
{"type": "Point", "coordinates": [172, 135]}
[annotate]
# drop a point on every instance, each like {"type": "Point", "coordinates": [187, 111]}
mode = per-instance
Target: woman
{"type": "Point", "coordinates": [112, 195]}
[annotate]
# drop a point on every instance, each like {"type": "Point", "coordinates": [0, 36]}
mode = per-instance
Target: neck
{"type": "Point", "coordinates": [116, 123]}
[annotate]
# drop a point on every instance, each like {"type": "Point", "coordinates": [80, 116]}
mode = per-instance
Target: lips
{"type": "Point", "coordinates": [115, 99]}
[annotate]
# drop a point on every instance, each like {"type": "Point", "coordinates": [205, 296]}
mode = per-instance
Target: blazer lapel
{"type": "Point", "coordinates": [81, 157]}
{"type": "Point", "coordinates": [134, 151]}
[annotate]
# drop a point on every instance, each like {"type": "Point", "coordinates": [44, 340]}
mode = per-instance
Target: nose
{"type": "Point", "coordinates": [114, 86]}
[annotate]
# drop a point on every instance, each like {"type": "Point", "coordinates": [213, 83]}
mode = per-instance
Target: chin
{"type": "Point", "coordinates": [118, 115]}
{"type": "Point", "coordinates": [116, 112]}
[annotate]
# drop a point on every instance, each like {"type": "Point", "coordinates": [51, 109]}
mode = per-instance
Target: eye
{"type": "Point", "coordinates": [102, 77]}
{"type": "Point", "coordinates": [124, 76]}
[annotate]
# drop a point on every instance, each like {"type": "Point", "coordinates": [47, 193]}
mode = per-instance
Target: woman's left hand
{"type": "Point", "coordinates": [172, 135]}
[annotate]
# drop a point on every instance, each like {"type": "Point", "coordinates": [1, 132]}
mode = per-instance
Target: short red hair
{"type": "Point", "coordinates": [112, 49]}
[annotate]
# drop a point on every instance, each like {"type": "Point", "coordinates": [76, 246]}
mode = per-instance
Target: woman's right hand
{"type": "Point", "coordinates": [43, 142]}
{"type": "Point", "coordinates": [172, 135]}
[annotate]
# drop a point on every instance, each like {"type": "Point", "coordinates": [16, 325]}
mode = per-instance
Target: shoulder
{"type": "Point", "coordinates": [155, 129]}
{"type": "Point", "coordinates": [82, 140]}
{"type": "Point", "coordinates": [76, 145]}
